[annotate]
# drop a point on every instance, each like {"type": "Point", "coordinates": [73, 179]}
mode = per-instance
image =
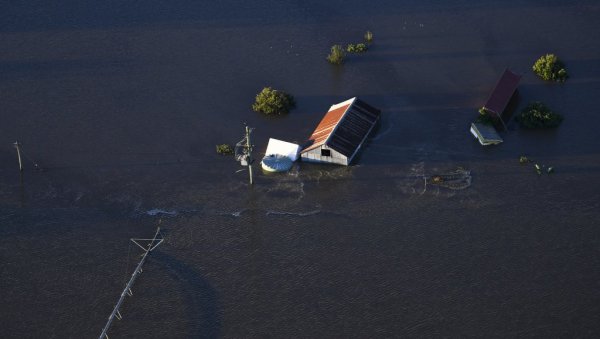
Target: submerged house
{"type": "Point", "coordinates": [341, 133]}
{"type": "Point", "coordinates": [495, 106]}
{"type": "Point", "coordinates": [486, 134]}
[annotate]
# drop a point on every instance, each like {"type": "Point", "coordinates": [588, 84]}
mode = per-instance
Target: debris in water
{"type": "Point", "coordinates": [538, 169]}
{"type": "Point", "coordinates": [456, 180]}
{"type": "Point", "coordinates": [298, 214]}
{"type": "Point", "coordinates": [157, 211]}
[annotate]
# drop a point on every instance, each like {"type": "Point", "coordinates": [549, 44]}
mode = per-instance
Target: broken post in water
{"type": "Point", "coordinates": [17, 145]}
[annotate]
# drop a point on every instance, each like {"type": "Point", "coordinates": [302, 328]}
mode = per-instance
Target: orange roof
{"type": "Point", "coordinates": [326, 126]}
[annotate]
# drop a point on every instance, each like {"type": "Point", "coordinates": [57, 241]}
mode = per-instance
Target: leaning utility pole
{"type": "Point", "coordinates": [19, 155]}
{"type": "Point", "coordinates": [154, 242]}
{"type": "Point", "coordinates": [249, 150]}
{"type": "Point", "coordinates": [243, 151]}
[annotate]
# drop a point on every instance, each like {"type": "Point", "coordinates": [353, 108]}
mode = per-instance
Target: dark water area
{"type": "Point", "coordinates": [122, 104]}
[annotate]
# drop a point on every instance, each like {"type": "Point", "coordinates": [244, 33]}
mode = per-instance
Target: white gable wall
{"type": "Point", "coordinates": [314, 155]}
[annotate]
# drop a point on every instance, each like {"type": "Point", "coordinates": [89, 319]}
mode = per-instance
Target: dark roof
{"type": "Point", "coordinates": [503, 91]}
{"type": "Point", "coordinates": [345, 131]}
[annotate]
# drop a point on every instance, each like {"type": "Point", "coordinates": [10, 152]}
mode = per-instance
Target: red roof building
{"type": "Point", "coordinates": [341, 133]}
{"type": "Point", "coordinates": [504, 90]}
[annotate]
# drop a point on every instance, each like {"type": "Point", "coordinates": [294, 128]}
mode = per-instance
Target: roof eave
{"type": "Point", "coordinates": [348, 102]}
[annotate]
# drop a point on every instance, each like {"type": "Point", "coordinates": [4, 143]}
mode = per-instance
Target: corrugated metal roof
{"type": "Point", "coordinates": [325, 127]}
{"type": "Point", "coordinates": [344, 128]}
{"type": "Point", "coordinates": [506, 86]}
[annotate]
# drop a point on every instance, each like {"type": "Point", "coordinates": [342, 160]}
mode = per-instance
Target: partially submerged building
{"type": "Point", "coordinates": [486, 134]}
{"type": "Point", "coordinates": [279, 156]}
{"type": "Point", "coordinates": [341, 133]}
{"type": "Point", "coordinates": [495, 106]}
{"type": "Point", "coordinates": [504, 90]}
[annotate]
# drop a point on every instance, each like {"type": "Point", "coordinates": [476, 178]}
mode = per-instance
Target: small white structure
{"type": "Point", "coordinates": [279, 156]}
{"type": "Point", "coordinates": [280, 147]}
{"type": "Point", "coordinates": [276, 163]}
{"type": "Point", "coordinates": [486, 134]}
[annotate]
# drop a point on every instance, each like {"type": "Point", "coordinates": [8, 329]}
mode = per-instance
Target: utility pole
{"type": "Point", "coordinates": [19, 155]}
{"type": "Point", "coordinates": [243, 151]}
{"type": "Point", "coordinates": [116, 313]}
{"type": "Point", "coordinates": [249, 150]}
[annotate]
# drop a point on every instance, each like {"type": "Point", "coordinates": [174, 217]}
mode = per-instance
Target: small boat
{"type": "Point", "coordinates": [276, 163]}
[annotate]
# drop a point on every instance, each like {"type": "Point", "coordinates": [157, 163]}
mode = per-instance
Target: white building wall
{"type": "Point", "coordinates": [315, 156]}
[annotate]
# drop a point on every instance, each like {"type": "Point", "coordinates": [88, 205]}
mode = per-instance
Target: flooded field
{"type": "Point", "coordinates": [122, 105]}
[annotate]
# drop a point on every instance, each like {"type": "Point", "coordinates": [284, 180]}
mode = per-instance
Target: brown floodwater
{"type": "Point", "coordinates": [122, 104]}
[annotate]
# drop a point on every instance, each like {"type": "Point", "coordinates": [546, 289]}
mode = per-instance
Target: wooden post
{"type": "Point", "coordinates": [249, 149]}
{"type": "Point", "coordinates": [19, 155]}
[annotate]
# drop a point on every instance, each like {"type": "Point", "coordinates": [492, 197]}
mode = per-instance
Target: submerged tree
{"type": "Point", "coordinates": [369, 37]}
{"type": "Point", "coordinates": [336, 56]}
{"type": "Point", "coordinates": [271, 101]}
{"type": "Point", "coordinates": [485, 117]}
{"type": "Point", "coordinates": [548, 67]}
{"type": "Point", "coordinates": [224, 149]}
{"type": "Point", "coordinates": [538, 115]}
{"type": "Point", "coordinates": [356, 48]}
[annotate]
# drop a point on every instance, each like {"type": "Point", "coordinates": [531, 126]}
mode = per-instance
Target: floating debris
{"type": "Point", "coordinates": [456, 180]}
{"type": "Point", "coordinates": [157, 211]}
{"type": "Point", "coordinates": [297, 214]}
{"type": "Point", "coordinates": [538, 169]}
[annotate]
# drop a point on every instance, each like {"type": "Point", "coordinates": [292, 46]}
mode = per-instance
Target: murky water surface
{"type": "Point", "coordinates": [121, 104]}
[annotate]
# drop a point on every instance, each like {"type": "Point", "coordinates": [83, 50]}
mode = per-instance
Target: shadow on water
{"type": "Point", "coordinates": [511, 108]}
{"type": "Point", "coordinates": [200, 297]}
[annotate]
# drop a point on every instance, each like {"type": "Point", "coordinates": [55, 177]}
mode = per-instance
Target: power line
{"type": "Point", "coordinates": [116, 313]}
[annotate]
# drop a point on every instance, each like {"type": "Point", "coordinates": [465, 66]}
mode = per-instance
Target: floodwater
{"type": "Point", "coordinates": [122, 104]}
